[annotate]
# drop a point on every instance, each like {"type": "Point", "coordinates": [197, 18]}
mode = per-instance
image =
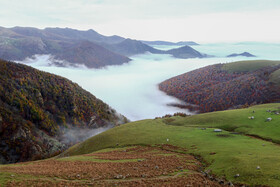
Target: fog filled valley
{"type": "Point", "coordinates": [162, 115]}
{"type": "Point", "coordinates": [140, 93]}
{"type": "Point", "coordinates": [132, 88]}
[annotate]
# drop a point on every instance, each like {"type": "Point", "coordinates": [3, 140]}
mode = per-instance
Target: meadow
{"type": "Point", "coordinates": [246, 151]}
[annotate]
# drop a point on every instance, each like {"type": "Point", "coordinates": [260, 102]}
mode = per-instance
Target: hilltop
{"type": "Point", "coordinates": [223, 86]}
{"type": "Point", "coordinates": [173, 149]}
{"type": "Point", "coordinates": [42, 114]}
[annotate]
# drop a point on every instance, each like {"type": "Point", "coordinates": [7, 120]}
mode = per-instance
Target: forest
{"type": "Point", "coordinates": [214, 88]}
{"type": "Point", "coordinates": [37, 108]}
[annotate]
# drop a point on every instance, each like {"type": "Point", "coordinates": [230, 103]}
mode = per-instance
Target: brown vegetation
{"type": "Point", "coordinates": [213, 88]}
{"type": "Point", "coordinates": [156, 166]}
{"type": "Point", "coordinates": [35, 105]}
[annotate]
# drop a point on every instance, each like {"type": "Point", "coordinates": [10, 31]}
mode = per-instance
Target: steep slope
{"type": "Point", "coordinates": [235, 150]}
{"type": "Point", "coordinates": [91, 55]}
{"type": "Point", "coordinates": [42, 114]}
{"type": "Point", "coordinates": [223, 86]}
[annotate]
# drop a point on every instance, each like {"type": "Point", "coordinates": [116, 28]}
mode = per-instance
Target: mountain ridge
{"type": "Point", "coordinates": [159, 42]}
{"type": "Point", "coordinates": [18, 43]}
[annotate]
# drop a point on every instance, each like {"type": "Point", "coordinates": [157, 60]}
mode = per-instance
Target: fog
{"type": "Point", "coordinates": [73, 135]}
{"type": "Point", "coordinates": [132, 88]}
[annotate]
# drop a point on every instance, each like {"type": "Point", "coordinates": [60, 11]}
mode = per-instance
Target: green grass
{"type": "Point", "coordinates": [250, 65]}
{"type": "Point", "coordinates": [6, 177]}
{"type": "Point", "coordinates": [225, 153]}
{"type": "Point", "coordinates": [275, 77]}
{"type": "Point", "coordinates": [238, 121]}
{"type": "Point", "coordinates": [234, 153]}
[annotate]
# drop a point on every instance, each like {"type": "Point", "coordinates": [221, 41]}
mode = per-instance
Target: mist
{"type": "Point", "coordinates": [73, 135]}
{"type": "Point", "coordinates": [132, 88]}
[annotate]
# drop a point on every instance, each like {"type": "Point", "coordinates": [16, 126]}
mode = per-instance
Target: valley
{"type": "Point", "coordinates": [217, 148]}
{"type": "Point", "coordinates": [161, 93]}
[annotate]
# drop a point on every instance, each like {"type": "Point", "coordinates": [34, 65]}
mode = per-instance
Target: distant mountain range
{"type": "Point", "coordinates": [130, 47]}
{"type": "Point", "coordinates": [245, 54]}
{"type": "Point", "coordinates": [77, 47]}
{"type": "Point", "coordinates": [169, 43]}
{"type": "Point", "coordinates": [42, 114]}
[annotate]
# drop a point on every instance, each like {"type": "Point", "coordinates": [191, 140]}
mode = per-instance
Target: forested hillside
{"type": "Point", "coordinates": [223, 86]}
{"type": "Point", "coordinates": [38, 109]}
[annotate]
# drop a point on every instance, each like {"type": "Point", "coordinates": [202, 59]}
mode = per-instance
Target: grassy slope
{"type": "Point", "coordinates": [250, 65]}
{"type": "Point", "coordinates": [238, 121]}
{"type": "Point", "coordinates": [233, 153]}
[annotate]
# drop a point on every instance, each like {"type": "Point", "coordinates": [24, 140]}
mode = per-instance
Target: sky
{"type": "Point", "coordinates": [171, 20]}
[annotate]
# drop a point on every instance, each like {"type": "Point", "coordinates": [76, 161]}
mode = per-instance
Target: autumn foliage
{"type": "Point", "coordinates": [213, 88]}
{"type": "Point", "coordinates": [36, 106]}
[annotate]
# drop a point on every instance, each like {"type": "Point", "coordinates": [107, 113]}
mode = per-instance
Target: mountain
{"type": "Point", "coordinates": [66, 34]}
{"type": "Point", "coordinates": [186, 43]}
{"type": "Point", "coordinates": [246, 54]}
{"type": "Point", "coordinates": [91, 55]}
{"type": "Point", "coordinates": [185, 52]}
{"type": "Point", "coordinates": [131, 47]}
{"type": "Point", "coordinates": [42, 114]}
{"type": "Point", "coordinates": [19, 43]}
{"type": "Point", "coordinates": [223, 86]}
{"type": "Point", "coordinates": [65, 44]}
{"type": "Point", "coordinates": [169, 43]}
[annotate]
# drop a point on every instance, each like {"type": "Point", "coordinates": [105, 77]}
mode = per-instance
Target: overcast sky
{"type": "Point", "coordinates": [173, 20]}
